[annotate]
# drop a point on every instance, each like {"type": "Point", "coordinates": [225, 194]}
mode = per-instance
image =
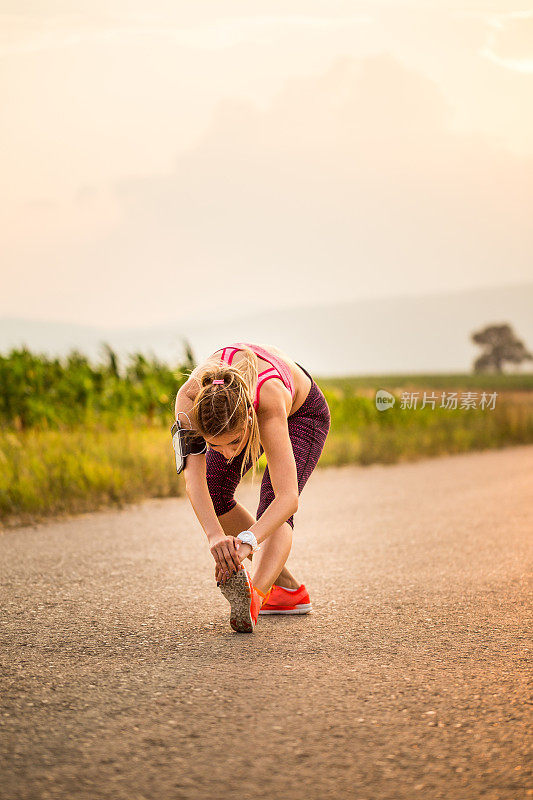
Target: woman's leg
{"type": "Point", "coordinates": [239, 519]}
{"type": "Point", "coordinates": [308, 430]}
{"type": "Point", "coordinates": [271, 558]}
{"type": "Point", "coordinates": [222, 481]}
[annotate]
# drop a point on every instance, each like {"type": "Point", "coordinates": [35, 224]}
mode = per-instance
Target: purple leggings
{"type": "Point", "coordinates": [308, 429]}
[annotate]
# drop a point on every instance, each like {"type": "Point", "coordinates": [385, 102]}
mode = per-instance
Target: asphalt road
{"type": "Point", "coordinates": [121, 677]}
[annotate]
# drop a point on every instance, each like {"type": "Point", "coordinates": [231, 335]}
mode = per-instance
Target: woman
{"type": "Point", "coordinates": [240, 413]}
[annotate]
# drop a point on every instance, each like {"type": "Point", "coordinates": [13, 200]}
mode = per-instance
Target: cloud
{"type": "Point", "coordinates": [350, 183]}
{"type": "Point", "coordinates": [509, 40]}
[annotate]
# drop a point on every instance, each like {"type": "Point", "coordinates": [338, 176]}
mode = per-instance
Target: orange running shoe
{"type": "Point", "coordinates": [244, 599]}
{"type": "Point", "coordinates": [282, 601]}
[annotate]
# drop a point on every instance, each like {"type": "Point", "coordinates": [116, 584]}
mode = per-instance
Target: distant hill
{"type": "Point", "coordinates": [429, 333]}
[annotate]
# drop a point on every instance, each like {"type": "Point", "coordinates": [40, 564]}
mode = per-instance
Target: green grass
{"type": "Point", "coordinates": [412, 434]}
{"type": "Point", "coordinates": [362, 434]}
{"type": "Point", "coordinates": [464, 381]}
{"type": "Point", "coordinates": [70, 471]}
{"type": "Point", "coordinates": [45, 472]}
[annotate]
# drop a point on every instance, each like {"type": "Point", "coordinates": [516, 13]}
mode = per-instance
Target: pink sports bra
{"type": "Point", "coordinates": [278, 369]}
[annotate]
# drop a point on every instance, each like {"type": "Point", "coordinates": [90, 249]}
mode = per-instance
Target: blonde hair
{"type": "Point", "coordinates": [224, 408]}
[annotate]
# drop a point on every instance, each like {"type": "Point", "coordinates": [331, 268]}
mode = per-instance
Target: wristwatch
{"type": "Point", "coordinates": [247, 537]}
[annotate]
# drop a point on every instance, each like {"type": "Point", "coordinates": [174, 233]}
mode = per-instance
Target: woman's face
{"type": "Point", "coordinates": [229, 444]}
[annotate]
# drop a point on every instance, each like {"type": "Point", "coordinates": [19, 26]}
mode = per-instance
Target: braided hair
{"type": "Point", "coordinates": [221, 408]}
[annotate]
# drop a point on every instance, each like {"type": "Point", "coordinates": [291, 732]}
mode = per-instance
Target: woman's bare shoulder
{"type": "Point", "coordinates": [187, 393]}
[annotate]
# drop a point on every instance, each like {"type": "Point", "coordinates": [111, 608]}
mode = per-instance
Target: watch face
{"type": "Point", "coordinates": [248, 538]}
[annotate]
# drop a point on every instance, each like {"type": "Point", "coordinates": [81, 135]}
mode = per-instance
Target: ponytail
{"type": "Point", "coordinates": [225, 407]}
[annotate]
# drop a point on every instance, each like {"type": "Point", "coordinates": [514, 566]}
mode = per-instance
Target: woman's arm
{"type": "Point", "coordinates": [198, 493]}
{"type": "Point", "coordinates": [277, 445]}
{"type": "Point", "coordinates": [222, 547]}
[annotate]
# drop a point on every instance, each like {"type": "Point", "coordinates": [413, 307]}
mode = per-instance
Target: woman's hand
{"type": "Point", "coordinates": [242, 550]}
{"type": "Point", "coordinates": [227, 560]}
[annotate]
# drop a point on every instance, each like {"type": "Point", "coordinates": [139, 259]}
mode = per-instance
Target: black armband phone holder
{"type": "Point", "coordinates": [185, 442]}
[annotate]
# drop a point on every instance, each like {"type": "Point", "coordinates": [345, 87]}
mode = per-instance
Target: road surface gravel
{"type": "Point", "coordinates": [122, 679]}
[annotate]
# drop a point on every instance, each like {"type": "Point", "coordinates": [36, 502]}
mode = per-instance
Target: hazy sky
{"type": "Point", "coordinates": [162, 157]}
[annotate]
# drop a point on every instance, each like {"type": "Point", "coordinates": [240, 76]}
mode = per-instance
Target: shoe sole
{"type": "Point", "coordinates": [237, 592]}
{"type": "Point", "coordinates": [303, 608]}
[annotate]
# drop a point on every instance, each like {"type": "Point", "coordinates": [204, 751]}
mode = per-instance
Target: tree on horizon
{"type": "Point", "coordinates": [500, 345]}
